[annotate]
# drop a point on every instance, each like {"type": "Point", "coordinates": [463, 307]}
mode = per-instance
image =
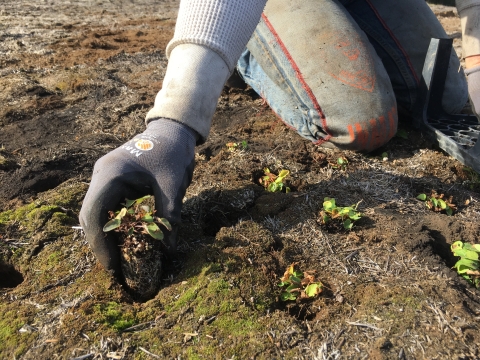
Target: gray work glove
{"type": "Point", "coordinates": [160, 162]}
{"type": "Point", "coordinates": [473, 76]}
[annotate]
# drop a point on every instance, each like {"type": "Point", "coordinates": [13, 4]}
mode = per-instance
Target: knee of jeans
{"type": "Point", "coordinates": [364, 135]}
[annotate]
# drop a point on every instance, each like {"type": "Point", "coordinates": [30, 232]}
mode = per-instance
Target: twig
{"type": "Point", "coordinates": [138, 327]}
{"type": "Point", "coordinates": [149, 353]}
{"type": "Point", "coordinates": [364, 325]}
{"type": "Point", "coordinates": [352, 254]}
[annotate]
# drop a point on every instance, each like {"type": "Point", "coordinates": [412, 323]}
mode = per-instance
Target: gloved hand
{"type": "Point", "coordinates": [159, 161]}
{"type": "Point", "coordinates": [473, 76]}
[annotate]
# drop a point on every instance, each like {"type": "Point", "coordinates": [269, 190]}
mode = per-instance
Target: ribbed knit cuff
{"type": "Point", "coordinates": [192, 85]}
{"type": "Point", "coordinates": [469, 12]}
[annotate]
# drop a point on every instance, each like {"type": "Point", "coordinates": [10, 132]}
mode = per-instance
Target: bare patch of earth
{"type": "Point", "coordinates": [76, 79]}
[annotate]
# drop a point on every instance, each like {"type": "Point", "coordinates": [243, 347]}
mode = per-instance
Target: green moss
{"type": "Point", "coordinates": [228, 305]}
{"type": "Point", "coordinates": [57, 224]}
{"type": "Point", "coordinates": [51, 218]}
{"type": "Point", "coordinates": [5, 216]}
{"type": "Point", "coordinates": [237, 326]}
{"type": "Point", "coordinates": [192, 354]}
{"type": "Point", "coordinates": [19, 214]}
{"type": "Point", "coordinates": [113, 315]}
{"type": "Point", "coordinates": [218, 286]}
{"type": "Point", "coordinates": [11, 340]}
{"type": "Point", "coordinates": [54, 258]}
{"type": "Point", "coordinates": [184, 299]}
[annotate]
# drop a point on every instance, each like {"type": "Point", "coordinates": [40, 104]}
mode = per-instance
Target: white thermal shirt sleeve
{"type": "Point", "coordinates": [209, 37]}
{"type": "Point", "coordinates": [469, 11]}
{"type": "Point", "coordinates": [225, 26]}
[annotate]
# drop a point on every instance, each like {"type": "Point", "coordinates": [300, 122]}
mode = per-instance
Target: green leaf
{"type": "Point", "coordinates": [285, 296]}
{"type": "Point", "coordinates": [130, 231]}
{"type": "Point", "coordinates": [456, 245]}
{"type": "Point", "coordinates": [329, 204]}
{"type": "Point", "coordinates": [354, 215]}
{"type": "Point", "coordinates": [471, 247]}
{"type": "Point", "coordinates": [121, 214]}
{"type": "Point", "coordinates": [147, 218]}
{"type": "Point", "coordinates": [295, 279]}
{"type": "Point", "coordinates": [434, 201]}
{"type": "Point", "coordinates": [341, 161]}
{"type": "Point", "coordinates": [449, 211]}
{"type": "Point", "coordinates": [422, 197]}
{"type": "Point", "coordinates": [313, 289]}
{"type": "Point", "coordinates": [142, 199]}
{"type": "Point", "coordinates": [112, 224]}
{"type": "Point", "coordinates": [273, 187]}
{"type": "Point", "coordinates": [384, 155]}
{"type": "Point", "coordinates": [463, 265]}
{"type": "Point", "coordinates": [154, 231]}
{"type": "Point", "coordinates": [283, 173]}
{"type": "Point", "coordinates": [297, 274]}
{"type": "Point", "coordinates": [128, 202]}
{"type": "Point", "coordinates": [442, 204]}
{"type": "Point", "coordinates": [348, 224]}
{"type": "Point", "coordinates": [287, 190]}
{"type": "Point", "coordinates": [466, 254]}
{"type": "Point", "coordinates": [292, 288]}
{"type": "Point", "coordinates": [165, 223]}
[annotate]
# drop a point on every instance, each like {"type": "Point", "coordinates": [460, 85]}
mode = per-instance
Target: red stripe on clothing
{"type": "Point", "coordinates": [410, 65]}
{"type": "Point", "coordinates": [362, 136]}
{"type": "Point", "coordinates": [300, 78]}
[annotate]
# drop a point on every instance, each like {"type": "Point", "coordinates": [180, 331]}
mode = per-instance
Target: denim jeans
{"type": "Point", "coordinates": [335, 70]}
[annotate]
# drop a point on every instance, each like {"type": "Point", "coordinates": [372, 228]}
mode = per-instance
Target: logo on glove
{"type": "Point", "coordinates": [144, 145]}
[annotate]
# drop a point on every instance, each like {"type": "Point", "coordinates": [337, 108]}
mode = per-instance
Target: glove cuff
{"type": "Point", "coordinates": [174, 130]}
{"type": "Point", "coordinates": [193, 83]}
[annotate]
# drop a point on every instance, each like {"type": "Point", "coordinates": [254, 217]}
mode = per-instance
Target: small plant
{"type": "Point", "coordinates": [402, 133]}
{"type": "Point", "coordinates": [296, 284]}
{"type": "Point", "coordinates": [347, 215]}
{"type": "Point", "coordinates": [341, 163]}
{"type": "Point", "coordinates": [137, 218]}
{"type": "Point", "coordinates": [469, 265]}
{"type": "Point", "coordinates": [141, 253]}
{"type": "Point", "coordinates": [274, 183]}
{"type": "Point", "coordinates": [233, 146]}
{"type": "Point", "coordinates": [438, 203]}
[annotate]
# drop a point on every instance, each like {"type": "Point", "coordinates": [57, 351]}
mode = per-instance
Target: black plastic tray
{"type": "Point", "coordinates": [456, 134]}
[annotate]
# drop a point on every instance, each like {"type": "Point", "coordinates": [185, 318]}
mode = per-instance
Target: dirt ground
{"type": "Point", "coordinates": [76, 80]}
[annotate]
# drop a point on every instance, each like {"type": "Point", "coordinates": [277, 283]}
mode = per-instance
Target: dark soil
{"type": "Point", "coordinates": [76, 80]}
